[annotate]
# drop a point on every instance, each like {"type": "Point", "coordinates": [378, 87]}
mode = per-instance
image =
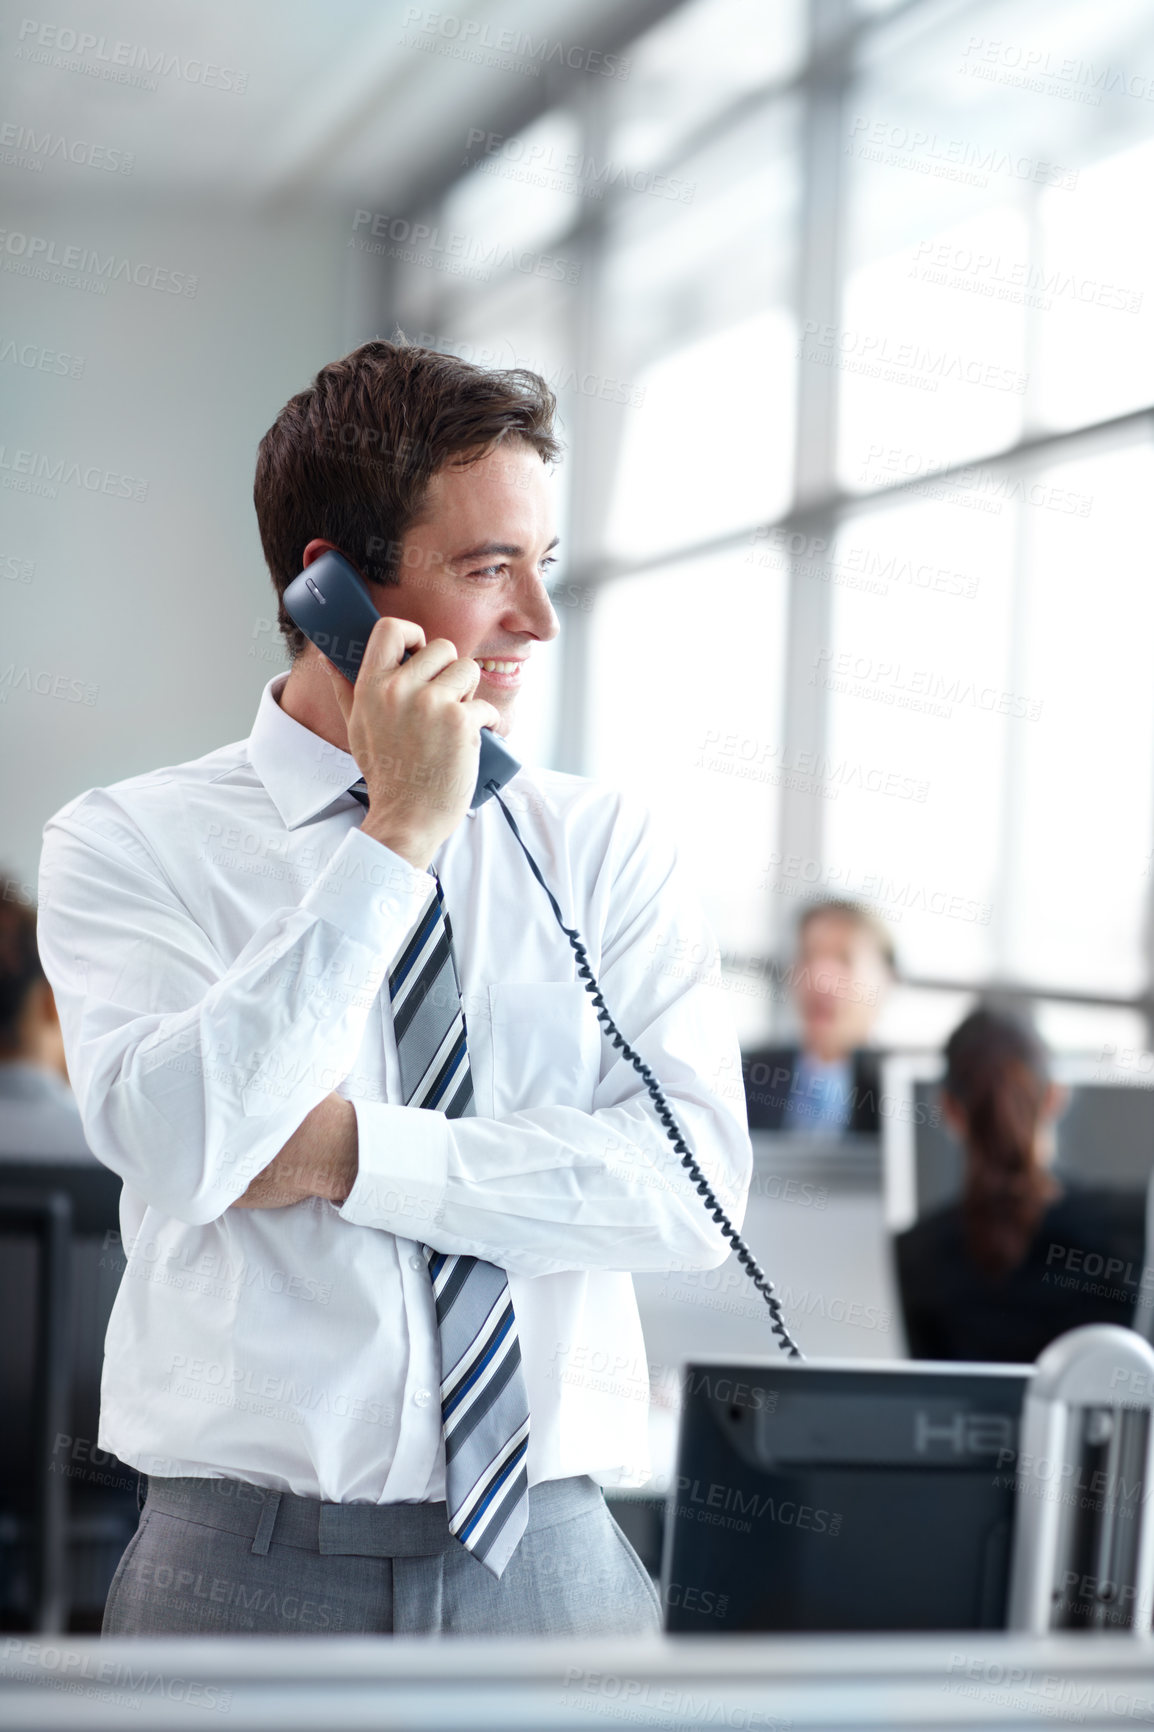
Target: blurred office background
{"type": "Point", "coordinates": [849, 312]}
{"type": "Point", "coordinates": [849, 309]}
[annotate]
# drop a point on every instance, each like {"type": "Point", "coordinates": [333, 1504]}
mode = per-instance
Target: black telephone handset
{"type": "Point", "coordinates": [332, 606]}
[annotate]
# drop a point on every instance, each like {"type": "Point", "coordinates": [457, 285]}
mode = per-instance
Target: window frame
{"type": "Point", "coordinates": [836, 32]}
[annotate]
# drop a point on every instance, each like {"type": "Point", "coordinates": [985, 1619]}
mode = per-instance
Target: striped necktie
{"type": "Point", "coordinates": [484, 1406]}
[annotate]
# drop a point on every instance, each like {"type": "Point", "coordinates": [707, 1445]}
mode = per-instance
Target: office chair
{"type": "Point", "coordinates": [1144, 1307]}
{"type": "Point", "coordinates": [64, 1519]}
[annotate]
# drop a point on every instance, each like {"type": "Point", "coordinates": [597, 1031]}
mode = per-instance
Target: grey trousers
{"type": "Point", "coordinates": [221, 1556]}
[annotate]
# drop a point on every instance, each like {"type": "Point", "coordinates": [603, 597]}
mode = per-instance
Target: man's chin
{"type": "Point", "coordinates": [504, 723]}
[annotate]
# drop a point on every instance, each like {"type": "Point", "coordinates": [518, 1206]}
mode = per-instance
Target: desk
{"type": "Point", "coordinates": [804, 1683]}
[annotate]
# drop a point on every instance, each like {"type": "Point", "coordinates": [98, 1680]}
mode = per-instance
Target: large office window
{"type": "Point", "coordinates": [688, 718]}
{"type": "Point", "coordinates": [849, 307]}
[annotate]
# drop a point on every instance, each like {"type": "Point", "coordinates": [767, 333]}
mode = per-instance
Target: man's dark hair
{"type": "Point", "coordinates": [859, 915]}
{"type": "Point", "coordinates": [20, 966]}
{"type": "Point", "coordinates": [349, 460]}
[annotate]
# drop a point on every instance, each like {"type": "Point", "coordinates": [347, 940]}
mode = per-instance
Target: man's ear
{"type": "Point", "coordinates": [314, 549]}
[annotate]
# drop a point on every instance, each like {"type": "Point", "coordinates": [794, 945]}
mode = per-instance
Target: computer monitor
{"type": "Point", "coordinates": [1105, 1136]}
{"type": "Point", "coordinates": [842, 1496]}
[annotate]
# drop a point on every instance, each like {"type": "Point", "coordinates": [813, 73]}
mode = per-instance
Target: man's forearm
{"type": "Point", "coordinates": [550, 1189]}
{"type": "Point", "coordinates": [319, 1160]}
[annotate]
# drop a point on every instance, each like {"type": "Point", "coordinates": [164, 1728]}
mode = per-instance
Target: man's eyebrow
{"type": "Point", "coordinates": [488, 548]}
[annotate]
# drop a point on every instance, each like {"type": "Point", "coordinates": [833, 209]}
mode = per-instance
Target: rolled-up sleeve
{"type": "Point", "coordinates": [190, 1074]}
{"type": "Point", "coordinates": [557, 1187]}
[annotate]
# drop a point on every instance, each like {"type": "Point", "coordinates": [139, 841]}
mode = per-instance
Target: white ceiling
{"type": "Point", "coordinates": [335, 100]}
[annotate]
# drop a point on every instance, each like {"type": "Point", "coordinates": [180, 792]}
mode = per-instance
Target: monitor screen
{"type": "Point", "coordinates": [842, 1496]}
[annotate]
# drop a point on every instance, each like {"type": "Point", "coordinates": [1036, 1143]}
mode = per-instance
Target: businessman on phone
{"type": "Point", "coordinates": [385, 1182]}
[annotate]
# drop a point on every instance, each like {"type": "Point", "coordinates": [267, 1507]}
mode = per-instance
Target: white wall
{"type": "Point", "coordinates": [159, 604]}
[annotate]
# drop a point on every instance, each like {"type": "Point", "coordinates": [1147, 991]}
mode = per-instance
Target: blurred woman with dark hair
{"type": "Point", "coordinates": [1021, 1257]}
{"type": "Point", "coordinates": [39, 1117]}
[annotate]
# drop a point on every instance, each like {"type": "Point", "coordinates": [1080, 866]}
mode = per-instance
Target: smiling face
{"type": "Point", "coordinates": [474, 568]}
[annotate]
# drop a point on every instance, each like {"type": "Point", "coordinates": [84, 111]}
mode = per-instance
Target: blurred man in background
{"type": "Point", "coordinates": [830, 1084]}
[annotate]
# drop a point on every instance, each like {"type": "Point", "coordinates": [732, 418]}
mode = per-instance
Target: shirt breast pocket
{"type": "Point", "coordinates": [546, 1045]}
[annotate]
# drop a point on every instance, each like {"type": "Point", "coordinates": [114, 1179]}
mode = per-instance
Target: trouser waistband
{"type": "Point", "coordinates": [362, 1530]}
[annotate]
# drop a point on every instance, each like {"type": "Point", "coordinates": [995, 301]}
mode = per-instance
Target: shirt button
{"type": "Point", "coordinates": [416, 1262]}
{"type": "Point", "coordinates": [422, 1397]}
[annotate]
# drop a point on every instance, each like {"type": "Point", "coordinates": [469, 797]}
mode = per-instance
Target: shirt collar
{"type": "Point", "coordinates": [302, 773]}
{"type": "Point", "coordinates": [833, 1068]}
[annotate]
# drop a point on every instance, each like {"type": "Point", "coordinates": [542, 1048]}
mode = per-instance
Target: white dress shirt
{"type": "Point", "coordinates": [218, 936]}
